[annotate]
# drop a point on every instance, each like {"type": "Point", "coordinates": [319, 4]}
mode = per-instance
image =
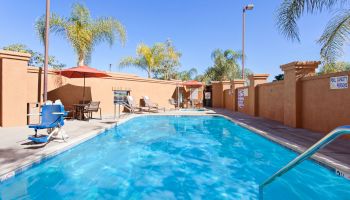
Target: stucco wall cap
{"type": "Point", "coordinates": [225, 82]}
{"type": "Point", "coordinates": [14, 55]}
{"type": "Point", "coordinates": [237, 81]}
{"type": "Point", "coordinates": [259, 76]}
{"type": "Point", "coordinates": [300, 65]}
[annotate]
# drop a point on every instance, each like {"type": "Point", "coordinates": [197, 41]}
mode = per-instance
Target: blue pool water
{"type": "Point", "coordinates": [171, 157]}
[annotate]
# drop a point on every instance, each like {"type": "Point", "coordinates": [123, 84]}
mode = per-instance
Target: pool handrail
{"type": "Point", "coordinates": [342, 130]}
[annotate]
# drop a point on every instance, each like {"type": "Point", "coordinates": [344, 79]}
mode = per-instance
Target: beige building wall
{"type": "Point", "coordinates": [21, 85]}
{"type": "Point", "coordinates": [70, 91]}
{"type": "Point", "coordinates": [218, 88]}
{"type": "Point", "coordinates": [270, 103]}
{"type": "Point", "coordinates": [13, 90]}
{"type": "Point", "coordinates": [229, 100]}
{"type": "Point", "coordinates": [323, 108]}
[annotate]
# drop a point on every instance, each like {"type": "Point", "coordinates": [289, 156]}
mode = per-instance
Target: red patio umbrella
{"type": "Point", "coordinates": [82, 72]}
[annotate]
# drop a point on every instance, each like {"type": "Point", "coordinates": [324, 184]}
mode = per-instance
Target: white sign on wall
{"type": "Point", "coordinates": [339, 82]}
{"type": "Point", "coordinates": [194, 94]}
{"type": "Point", "coordinates": [207, 95]}
{"type": "Point", "coordinates": [245, 92]}
{"type": "Point", "coordinates": [240, 98]}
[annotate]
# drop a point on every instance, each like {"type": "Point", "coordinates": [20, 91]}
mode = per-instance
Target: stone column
{"type": "Point", "coordinates": [253, 103]}
{"type": "Point", "coordinates": [13, 88]}
{"type": "Point", "coordinates": [292, 89]}
{"type": "Point", "coordinates": [236, 83]}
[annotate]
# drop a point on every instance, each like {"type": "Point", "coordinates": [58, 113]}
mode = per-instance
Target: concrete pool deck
{"type": "Point", "coordinates": [16, 153]}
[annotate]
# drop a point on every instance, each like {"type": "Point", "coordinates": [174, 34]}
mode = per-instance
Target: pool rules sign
{"type": "Point", "coordinates": [339, 82]}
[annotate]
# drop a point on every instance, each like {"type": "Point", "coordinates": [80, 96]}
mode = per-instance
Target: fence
{"type": "Point", "coordinates": [302, 100]}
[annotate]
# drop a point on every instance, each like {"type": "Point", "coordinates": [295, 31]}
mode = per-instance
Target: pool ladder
{"type": "Point", "coordinates": [342, 130]}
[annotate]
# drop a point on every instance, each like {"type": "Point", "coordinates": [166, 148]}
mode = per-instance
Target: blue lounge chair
{"type": "Point", "coordinates": [52, 118]}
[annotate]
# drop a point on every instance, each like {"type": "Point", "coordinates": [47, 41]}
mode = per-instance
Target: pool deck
{"type": "Point", "coordinates": [17, 153]}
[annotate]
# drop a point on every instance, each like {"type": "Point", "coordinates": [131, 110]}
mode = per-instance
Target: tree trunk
{"type": "Point", "coordinates": [149, 72]}
{"type": "Point", "coordinates": [81, 62]}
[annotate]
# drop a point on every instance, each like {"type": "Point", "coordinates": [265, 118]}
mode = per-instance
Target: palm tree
{"type": "Point", "coordinates": [187, 74]}
{"type": "Point", "coordinates": [334, 36]}
{"type": "Point", "coordinates": [148, 58]}
{"type": "Point", "coordinates": [83, 32]}
{"type": "Point", "coordinates": [225, 66]}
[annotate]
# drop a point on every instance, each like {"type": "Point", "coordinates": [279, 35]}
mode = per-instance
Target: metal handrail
{"type": "Point", "coordinates": [342, 130]}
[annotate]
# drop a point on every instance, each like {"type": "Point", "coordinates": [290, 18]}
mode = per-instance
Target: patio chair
{"type": "Point", "coordinates": [52, 119]}
{"type": "Point", "coordinates": [93, 106]}
{"type": "Point", "coordinates": [173, 103]}
{"type": "Point", "coordinates": [131, 105]}
{"type": "Point", "coordinates": [152, 106]}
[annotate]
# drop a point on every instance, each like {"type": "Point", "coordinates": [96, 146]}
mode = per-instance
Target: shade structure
{"type": "Point", "coordinates": [83, 72]}
{"type": "Point", "coordinates": [192, 83]}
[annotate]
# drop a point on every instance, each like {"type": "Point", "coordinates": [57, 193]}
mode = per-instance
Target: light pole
{"type": "Point", "coordinates": [247, 7]}
{"type": "Point", "coordinates": [47, 25]}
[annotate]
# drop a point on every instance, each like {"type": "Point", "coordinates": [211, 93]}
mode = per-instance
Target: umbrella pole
{"type": "Point", "coordinates": [178, 93]}
{"type": "Point", "coordinates": [84, 90]}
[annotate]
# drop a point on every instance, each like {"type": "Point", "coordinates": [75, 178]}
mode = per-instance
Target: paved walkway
{"type": "Point", "coordinates": [336, 154]}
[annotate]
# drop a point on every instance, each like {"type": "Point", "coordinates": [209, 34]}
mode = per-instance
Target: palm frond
{"type": "Point", "coordinates": [105, 30]}
{"type": "Point", "coordinates": [80, 15]}
{"type": "Point", "coordinates": [291, 10]}
{"type": "Point", "coordinates": [335, 36]}
{"type": "Point", "coordinates": [57, 25]}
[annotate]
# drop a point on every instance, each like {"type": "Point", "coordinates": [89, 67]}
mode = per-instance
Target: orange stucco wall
{"type": "Point", "coordinates": [20, 84]}
{"type": "Point", "coordinates": [218, 88]}
{"type": "Point", "coordinates": [13, 88]}
{"type": "Point", "coordinates": [322, 108]}
{"type": "Point", "coordinates": [229, 100]}
{"type": "Point", "coordinates": [302, 100]}
{"type": "Point", "coordinates": [270, 100]}
{"type": "Point", "coordinates": [70, 91]}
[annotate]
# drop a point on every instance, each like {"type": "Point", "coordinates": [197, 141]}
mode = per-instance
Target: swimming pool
{"type": "Point", "coordinates": [174, 157]}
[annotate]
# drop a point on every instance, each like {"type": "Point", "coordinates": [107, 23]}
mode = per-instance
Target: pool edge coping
{"type": "Point", "coordinates": [338, 167]}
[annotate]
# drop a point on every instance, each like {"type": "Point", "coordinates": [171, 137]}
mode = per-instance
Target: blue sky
{"type": "Point", "coordinates": [197, 27]}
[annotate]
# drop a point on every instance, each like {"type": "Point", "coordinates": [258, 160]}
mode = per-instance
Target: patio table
{"type": "Point", "coordinates": [79, 110]}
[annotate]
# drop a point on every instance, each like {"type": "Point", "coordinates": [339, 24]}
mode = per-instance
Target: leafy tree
{"type": "Point", "coordinates": [83, 32]}
{"type": "Point", "coordinates": [279, 77]}
{"type": "Point", "coordinates": [171, 61]}
{"type": "Point", "coordinates": [37, 58]}
{"type": "Point", "coordinates": [334, 67]}
{"type": "Point", "coordinates": [335, 34]}
{"type": "Point", "coordinates": [225, 66]}
{"type": "Point", "coordinates": [148, 58]}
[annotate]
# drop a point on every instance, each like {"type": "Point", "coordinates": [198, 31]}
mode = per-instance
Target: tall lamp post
{"type": "Point", "coordinates": [245, 8]}
{"type": "Point", "coordinates": [47, 26]}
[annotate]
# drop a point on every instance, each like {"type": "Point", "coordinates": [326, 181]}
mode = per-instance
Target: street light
{"type": "Point", "coordinates": [247, 7]}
